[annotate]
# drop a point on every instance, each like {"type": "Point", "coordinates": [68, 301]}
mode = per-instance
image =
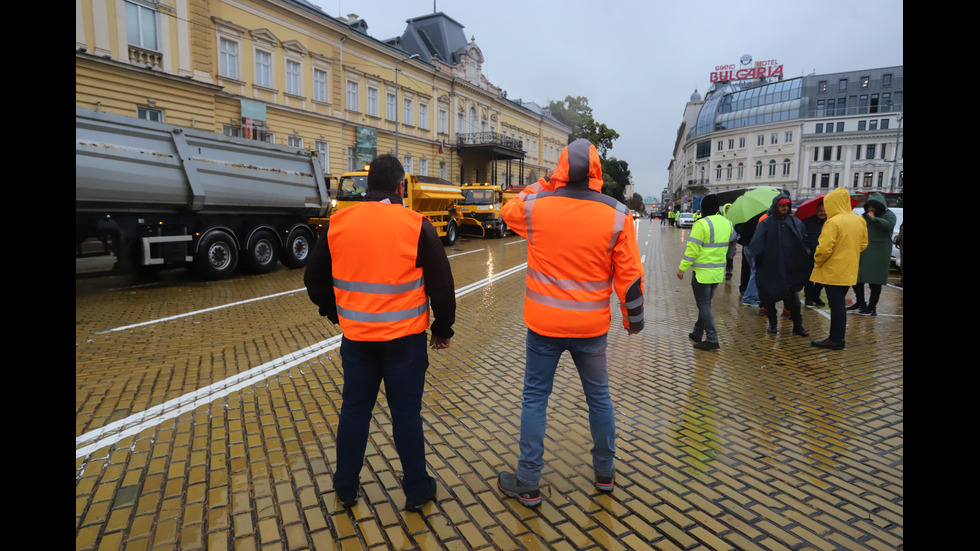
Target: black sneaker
{"type": "Point", "coordinates": [694, 337]}
{"type": "Point", "coordinates": [867, 312]}
{"type": "Point", "coordinates": [348, 500]}
{"type": "Point", "coordinates": [706, 345]}
{"type": "Point", "coordinates": [528, 494]}
{"type": "Point", "coordinates": [855, 306]}
{"type": "Point", "coordinates": [605, 483]}
{"type": "Point", "coordinates": [416, 504]}
{"type": "Point", "coordinates": [827, 343]}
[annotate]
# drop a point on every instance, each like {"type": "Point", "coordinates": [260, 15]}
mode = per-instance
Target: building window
{"type": "Point", "coordinates": [841, 106]}
{"type": "Point", "coordinates": [442, 121]}
{"type": "Point", "coordinates": [294, 141]}
{"type": "Point", "coordinates": [868, 179]}
{"type": "Point", "coordinates": [865, 81]}
{"type": "Point", "coordinates": [884, 124]}
{"type": "Point", "coordinates": [873, 124]}
{"type": "Point", "coordinates": [731, 143]}
{"type": "Point", "coordinates": [351, 157]}
{"type": "Point", "coordinates": [718, 172]}
{"type": "Point", "coordinates": [828, 152]}
{"type": "Point", "coordinates": [881, 179]}
{"type": "Point", "coordinates": [351, 96]}
{"type": "Point", "coordinates": [263, 69]}
{"type": "Point", "coordinates": [741, 143]}
{"type": "Point", "coordinates": [423, 116]}
{"type": "Point", "coordinates": [148, 114]}
{"type": "Point", "coordinates": [407, 164]}
{"type": "Point", "coordinates": [842, 85]}
{"type": "Point", "coordinates": [821, 108]}
{"type": "Point", "coordinates": [870, 151]}
{"type": "Point", "coordinates": [862, 104]}
{"type": "Point", "coordinates": [728, 171]}
{"type": "Point", "coordinates": [141, 26]}
{"type": "Point", "coordinates": [442, 170]}
{"type": "Point", "coordinates": [319, 85]}
{"type": "Point", "coordinates": [839, 148]}
{"type": "Point", "coordinates": [862, 126]}
{"type": "Point", "coordinates": [407, 111]}
{"type": "Point", "coordinates": [830, 108]}
{"type": "Point", "coordinates": [758, 169]}
{"type": "Point", "coordinates": [390, 106]}
{"type": "Point", "coordinates": [740, 171]}
{"type": "Point", "coordinates": [788, 138]}
{"type": "Point", "coordinates": [824, 181]}
{"type": "Point", "coordinates": [857, 154]}
{"type": "Point", "coordinates": [840, 126]}
{"type": "Point", "coordinates": [423, 167]}
{"type": "Point", "coordinates": [294, 84]}
{"type": "Point", "coordinates": [772, 168]}
{"type": "Point", "coordinates": [323, 153]}
{"type": "Point", "coordinates": [228, 65]}
{"type": "Point", "coordinates": [886, 80]}
{"type": "Point", "coordinates": [773, 138]}
{"type": "Point", "coordinates": [822, 87]}
{"type": "Point", "coordinates": [760, 140]}
{"type": "Point", "coordinates": [786, 166]}
{"type": "Point", "coordinates": [372, 101]}
{"type": "Point", "coordinates": [721, 145]}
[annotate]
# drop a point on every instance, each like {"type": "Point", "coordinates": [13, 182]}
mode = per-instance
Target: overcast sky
{"type": "Point", "coordinates": [639, 61]}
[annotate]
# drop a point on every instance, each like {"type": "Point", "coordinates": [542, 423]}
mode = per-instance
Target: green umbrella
{"type": "Point", "coordinates": [752, 203]}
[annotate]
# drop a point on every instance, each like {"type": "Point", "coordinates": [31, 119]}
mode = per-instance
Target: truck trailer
{"type": "Point", "coordinates": [158, 195]}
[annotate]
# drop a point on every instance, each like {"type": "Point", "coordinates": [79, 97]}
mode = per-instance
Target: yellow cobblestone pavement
{"type": "Point", "coordinates": [205, 418]}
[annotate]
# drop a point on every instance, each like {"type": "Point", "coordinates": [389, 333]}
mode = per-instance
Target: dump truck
{"type": "Point", "coordinates": [429, 196]}
{"type": "Point", "coordinates": [157, 195]}
{"type": "Point", "coordinates": [480, 210]}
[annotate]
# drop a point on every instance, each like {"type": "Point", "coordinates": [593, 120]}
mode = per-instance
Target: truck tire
{"type": "Point", "coordinates": [297, 250]}
{"type": "Point", "coordinates": [217, 256]}
{"type": "Point", "coordinates": [262, 253]}
{"type": "Point", "coordinates": [502, 230]}
{"type": "Point", "coordinates": [450, 238]}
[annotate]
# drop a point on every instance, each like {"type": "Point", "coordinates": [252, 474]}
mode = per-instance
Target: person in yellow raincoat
{"type": "Point", "coordinates": [836, 260]}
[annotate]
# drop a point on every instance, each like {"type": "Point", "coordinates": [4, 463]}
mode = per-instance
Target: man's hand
{"type": "Point", "coordinates": [438, 343]}
{"type": "Point", "coordinates": [680, 274]}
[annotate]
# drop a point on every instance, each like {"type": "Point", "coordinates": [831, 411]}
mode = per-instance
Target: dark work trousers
{"type": "Point", "coordinates": [703, 293]}
{"type": "Point", "coordinates": [401, 364]}
{"type": "Point", "coordinates": [792, 303]}
{"type": "Point", "coordinates": [872, 300]}
{"type": "Point", "coordinates": [838, 311]}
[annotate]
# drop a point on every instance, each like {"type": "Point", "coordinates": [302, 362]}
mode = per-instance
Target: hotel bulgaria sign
{"type": "Point", "coordinates": [747, 69]}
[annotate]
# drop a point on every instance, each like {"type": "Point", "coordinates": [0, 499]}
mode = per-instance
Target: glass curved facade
{"type": "Point", "coordinates": [729, 108]}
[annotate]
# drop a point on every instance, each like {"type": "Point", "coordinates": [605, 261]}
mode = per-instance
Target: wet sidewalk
{"type": "Point", "coordinates": [766, 444]}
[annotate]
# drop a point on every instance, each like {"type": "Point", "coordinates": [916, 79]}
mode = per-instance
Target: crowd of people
{"type": "Point", "coordinates": [831, 251]}
{"type": "Point", "coordinates": [382, 286]}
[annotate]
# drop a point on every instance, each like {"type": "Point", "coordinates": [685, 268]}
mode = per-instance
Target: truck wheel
{"type": "Point", "coordinates": [297, 250]}
{"type": "Point", "coordinates": [502, 231]}
{"type": "Point", "coordinates": [450, 237]}
{"type": "Point", "coordinates": [263, 253]}
{"type": "Point", "coordinates": [217, 256]}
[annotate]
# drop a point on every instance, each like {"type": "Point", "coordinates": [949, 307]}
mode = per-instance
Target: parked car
{"type": "Point", "coordinates": [685, 220]}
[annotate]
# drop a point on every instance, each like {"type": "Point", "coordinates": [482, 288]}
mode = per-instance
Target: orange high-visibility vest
{"type": "Point", "coordinates": [379, 287]}
{"type": "Point", "coordinates": [581, 247]}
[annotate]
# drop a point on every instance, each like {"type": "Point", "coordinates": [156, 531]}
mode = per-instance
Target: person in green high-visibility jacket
{"type": "Point", "coordinates": [710, 245]}
{"type": "Point", "coordinates": [670, 217]}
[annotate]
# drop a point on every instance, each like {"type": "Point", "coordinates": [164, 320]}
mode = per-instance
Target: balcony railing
{"type": "Point", "coordinates": [145, 58]}
{"type": "Point", "coordinates": [489, 138]}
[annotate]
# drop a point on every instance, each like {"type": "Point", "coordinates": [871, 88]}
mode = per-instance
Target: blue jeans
{"type": "Point", "coordinates": [401, 364]}
{"type": "Point", "coordinates": [703, 293]}
{"type": "Point", "coordinates": [751, 294]}
{"type": "Point", "coordinates": [589, 355]}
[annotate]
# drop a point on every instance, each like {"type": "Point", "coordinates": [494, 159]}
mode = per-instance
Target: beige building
{"type": "Point", "coordinates": [284, 71]}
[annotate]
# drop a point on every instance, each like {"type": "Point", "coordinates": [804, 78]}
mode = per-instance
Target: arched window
{"type": "Point", "coordinates": [758, 169]}
{"type": "Point", "coordinates": [786, 165]}
{"type": "Point", "coordinates": [718, 172]}
{"type": "Point", "coordinates": [772, 167]}
{"type": "Point", "coordinates": [728, 171]}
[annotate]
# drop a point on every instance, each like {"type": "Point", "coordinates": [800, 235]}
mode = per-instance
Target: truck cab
{"type": "Point", "coordinates": [480, 210]}
{"type": "Point", "coordinates": [431, 197]}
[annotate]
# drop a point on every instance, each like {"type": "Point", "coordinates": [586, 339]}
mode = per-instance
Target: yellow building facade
{"type": "Point", "coordinates": [284, 71]}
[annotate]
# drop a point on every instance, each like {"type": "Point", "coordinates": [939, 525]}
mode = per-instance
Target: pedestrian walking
{"type": "Point", "coordinates": [572, 270]}
{"type": "Point", "coordinates": [876, 259]}
{"type": "Point", "coordinates": [813, 225]}
{"type": "Point", "coordinates": [747, 285]}
{"type": "Point", "coordinates": [783, 262]}
{"type": "Point", "coordinates": [711, 242]}
{"type": "Point", "coordinates": [836, 261]}
{"type": "Point", "coordinates": [378, 285]}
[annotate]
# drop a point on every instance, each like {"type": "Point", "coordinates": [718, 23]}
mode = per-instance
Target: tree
{"type": "Point", "coordinates": [576, 113]}
{"type": "Point", "coordinates": [615, 177]}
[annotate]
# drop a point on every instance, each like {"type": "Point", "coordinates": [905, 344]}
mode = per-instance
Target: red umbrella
{"type": "Point", "coordinates": [809, 207]}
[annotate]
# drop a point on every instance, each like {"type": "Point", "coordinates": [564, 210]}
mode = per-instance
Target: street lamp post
{"type": "Point", "coordinates": [397, 108]}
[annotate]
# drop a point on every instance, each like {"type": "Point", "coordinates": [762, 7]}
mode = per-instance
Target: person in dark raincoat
{"type": "Point", "coordinates": [783, 262]}
{"type": "Point", "coordinates": [876, 259]}
{"type": "Point", "coordinates": [813, 225]}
